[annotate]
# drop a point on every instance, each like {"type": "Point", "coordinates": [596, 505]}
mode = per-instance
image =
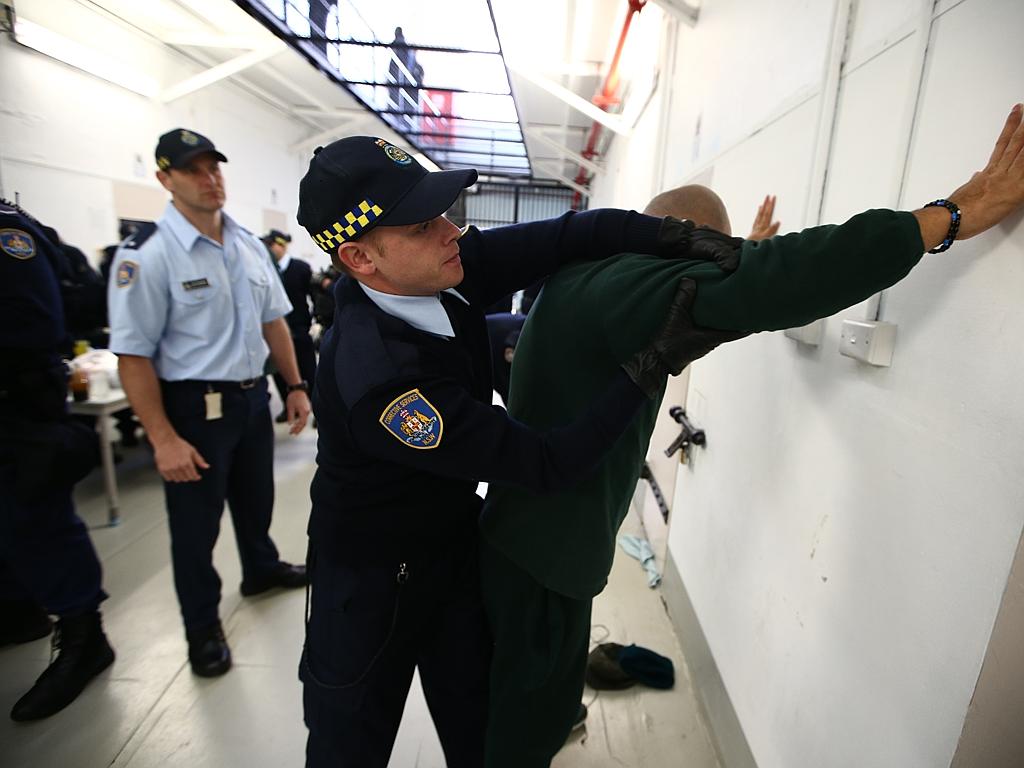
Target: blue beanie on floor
{"type": "Point", "coordinates": [647, 667]}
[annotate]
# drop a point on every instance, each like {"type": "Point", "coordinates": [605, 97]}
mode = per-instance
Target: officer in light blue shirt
{"type": "Point", "coordinates": [194, 311]}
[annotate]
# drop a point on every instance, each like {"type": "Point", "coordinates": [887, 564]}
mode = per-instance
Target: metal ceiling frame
{"type": "Point", "coordinates": [301, 44]}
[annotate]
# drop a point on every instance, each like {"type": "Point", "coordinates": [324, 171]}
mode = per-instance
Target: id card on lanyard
{"type": "Point", "coordinates": [214, 408]}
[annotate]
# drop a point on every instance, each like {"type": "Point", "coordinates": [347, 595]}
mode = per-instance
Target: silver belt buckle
{"type": "Point", "coordinates": [247, 383]}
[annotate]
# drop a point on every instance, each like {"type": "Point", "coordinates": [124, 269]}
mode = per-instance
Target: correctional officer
{"type": "Point", "coordinates": [403, 401]}
{"type": "Point", "coordinates": [46, 556]}
{"type": "Point", "coordinates": [194, 306]}
{"type": "Point", "coordinates": [297, 278]}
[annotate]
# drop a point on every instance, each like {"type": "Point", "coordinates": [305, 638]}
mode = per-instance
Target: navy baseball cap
{"type": "Point", "coordinates": [277, 236]}
{"type": "Point", "coordinates": [175, 148]}
{"type": "Point", "coordinates": [359, 182]}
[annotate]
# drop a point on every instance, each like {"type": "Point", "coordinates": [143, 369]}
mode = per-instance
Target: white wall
{"type": "Point", "coordinates": [847, 535]}
{"type": "Point", "coordinates": [66, 137]}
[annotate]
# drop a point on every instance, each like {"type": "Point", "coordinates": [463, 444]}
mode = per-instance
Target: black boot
{"type": "Point", "coordinates": [21, 621]}
{"type": "Point", "coordinates": [82, 653]}
{"type": "Point", "coordinates": [208, 651]}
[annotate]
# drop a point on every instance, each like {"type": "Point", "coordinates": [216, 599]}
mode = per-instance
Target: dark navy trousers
{"type": "Point", "coordinates": [239, 447]}
{"type": "Point", "coordinates": [45, 551]}
{"type": "Point", "coordinates": [371, 627]}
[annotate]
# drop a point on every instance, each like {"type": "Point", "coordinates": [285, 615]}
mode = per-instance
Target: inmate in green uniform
{"type": "Point", "coordinates": [545, 557]}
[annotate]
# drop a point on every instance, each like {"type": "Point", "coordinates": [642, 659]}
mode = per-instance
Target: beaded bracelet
{"type": "Point", "coordinates": [954, 224]}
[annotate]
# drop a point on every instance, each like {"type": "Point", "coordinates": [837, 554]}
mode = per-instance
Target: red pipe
{"type": "Point", "coordinates": [606, 96]}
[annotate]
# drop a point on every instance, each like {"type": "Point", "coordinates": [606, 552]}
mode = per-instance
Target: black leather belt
{"type": "Point", "coordinates": [216, 385]}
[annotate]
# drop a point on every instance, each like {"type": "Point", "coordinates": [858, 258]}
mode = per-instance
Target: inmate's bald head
{"type": "Point", "coordinates": [694, 202]}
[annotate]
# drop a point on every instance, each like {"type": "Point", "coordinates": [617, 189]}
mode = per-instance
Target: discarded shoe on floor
{"type": "Point", "coordinates": [611, 666]}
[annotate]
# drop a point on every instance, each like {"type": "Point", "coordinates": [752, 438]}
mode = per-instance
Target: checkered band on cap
{"type": "Point", "coordinates": [349, 227]}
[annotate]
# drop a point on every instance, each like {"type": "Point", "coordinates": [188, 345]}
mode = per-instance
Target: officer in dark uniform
{"type": "Point", "coordinates": [195, 307]}
{"type": "Point", "coordinates": [297, 278]}
{"type": "Point", "coordinates": [403, 401]}
{"type": "Point", "coordinates": [322, 290]}
{"type": "Point", "coordinates": [503, 329]}
{"type": "Point", "coordinates": [46, 556]}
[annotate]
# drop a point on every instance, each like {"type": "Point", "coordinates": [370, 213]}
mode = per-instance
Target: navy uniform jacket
{"type": "Point", "coordinates": [406, 425]}
{"type": "Point", "coordinates": [31, 310]}
{"type": "Point", "coordinates": [47, 451]}
{"type": "Point", "coordinates": [296, 277]}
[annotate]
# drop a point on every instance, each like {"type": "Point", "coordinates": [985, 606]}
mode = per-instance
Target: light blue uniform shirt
{"type": "Point", "coordinates": [193, 306]}
{"type": "Point", "coordinates": [424, 313]}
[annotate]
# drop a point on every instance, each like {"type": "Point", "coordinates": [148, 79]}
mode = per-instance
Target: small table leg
{"type": "Point", "coordinates": [109, 479]}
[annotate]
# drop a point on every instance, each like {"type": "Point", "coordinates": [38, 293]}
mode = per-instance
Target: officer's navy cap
{"type": "Point", "coordinates": [277, 236]}
{"type": "Point", "coordinates": [358, 182]}
{"type": "Point", "coordinates": [176, 148]}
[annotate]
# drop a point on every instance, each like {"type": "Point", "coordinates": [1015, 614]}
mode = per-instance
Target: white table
{"type": "Point", "coordinates": [102, 407]}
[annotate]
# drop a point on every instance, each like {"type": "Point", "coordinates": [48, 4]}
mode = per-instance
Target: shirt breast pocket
{"type": "Point", "coordinates": [259, 284]}
{"type": "Point", "coordinates": [194, 292]}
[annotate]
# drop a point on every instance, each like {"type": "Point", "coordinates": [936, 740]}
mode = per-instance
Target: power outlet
{"type": "Point", "coordinates": [869, 341]}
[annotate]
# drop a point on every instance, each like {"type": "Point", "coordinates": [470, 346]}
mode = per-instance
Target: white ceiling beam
{"type": "Point", "coordinates": [332, 112]}
{"type": "Point", "coordinates": [200, 40]}
{"type": "Point", "coordinates": [563, 150]}
{"type": "Point", "coordinates": [685, 11]}
{"type": "Point", "coordinates": [221, 72]}
{"type": "Point", "coordinates": [302, 93]}
{"type": "Point", "coordinates": [578, 103]}
{"type": "Point", "coordinates": [546, 166]}
{"type": "Point", "coordinates": [334, 132]}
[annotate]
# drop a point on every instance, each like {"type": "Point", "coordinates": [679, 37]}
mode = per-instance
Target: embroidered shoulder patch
{"type": "Point", "coordinates": [17, 243]}
{"type": "Point", "coordinates": [127, 271]}
{"type": "Point", "coordinates": [413, 421]}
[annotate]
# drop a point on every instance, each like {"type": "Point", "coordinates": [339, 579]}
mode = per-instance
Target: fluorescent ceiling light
{"type": "Point", "coordinates": [86, 59]}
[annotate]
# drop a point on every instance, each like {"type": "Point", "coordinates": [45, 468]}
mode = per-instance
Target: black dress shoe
{"type": "Point", "coordinates": [82, 653]}
{"type": "Point", "coordinates": [281, 418]}
{"type": "Point", "coordinates": [208, 651]}
{"type": "Point", "coordinates": [22, 621]}
{"type": "Point", "coordinates": [284, 575]}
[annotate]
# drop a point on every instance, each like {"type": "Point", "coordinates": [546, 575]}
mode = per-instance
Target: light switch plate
{"type": "Point", "coordinates": [869, 341]}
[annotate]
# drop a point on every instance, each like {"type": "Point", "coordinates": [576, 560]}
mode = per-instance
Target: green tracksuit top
{"type": "Point", "coordinates": [592, 316]}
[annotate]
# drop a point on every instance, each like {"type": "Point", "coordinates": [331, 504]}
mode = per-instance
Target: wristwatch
{"type": "Point", "coordinates": [303, 385]}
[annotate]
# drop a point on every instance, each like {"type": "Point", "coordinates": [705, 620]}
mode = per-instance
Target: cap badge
{"type": "Point", "coordinates": [394, 153]}
{"type": "Point", "coordinates": [189, 138]}
{"type": "Point", "coordinates": [163, 162]}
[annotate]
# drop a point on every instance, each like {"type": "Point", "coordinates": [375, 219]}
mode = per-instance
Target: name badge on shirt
{"type": "Point", "coordinates": [213, 406]}
{"type": "Point", "coordinates": [191, 285]}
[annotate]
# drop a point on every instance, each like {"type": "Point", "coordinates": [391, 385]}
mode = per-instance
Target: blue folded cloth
{"type": "Point", "coordinates": [641, 550]}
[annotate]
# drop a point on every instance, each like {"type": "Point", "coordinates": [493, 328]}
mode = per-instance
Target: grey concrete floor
{"type": "Point", "coordinates": [149, 710]}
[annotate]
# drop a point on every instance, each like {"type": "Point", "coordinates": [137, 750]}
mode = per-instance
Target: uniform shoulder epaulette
{"type": "Point", "coordinates": [362, 341]}
{"type": "Point", "coordinates": [139, 236]}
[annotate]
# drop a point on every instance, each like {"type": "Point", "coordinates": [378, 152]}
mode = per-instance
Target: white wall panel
{"type": "Point", "coordinates": [742, 64]}
{"type": "Point", "coordinates": [847, 535]}
{"type": "Point", "coordinates": [879, 24]}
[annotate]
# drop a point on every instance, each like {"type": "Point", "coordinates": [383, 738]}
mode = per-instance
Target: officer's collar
{"type": "Point", "coordinates": [186, 233]}
{"type": "Point", "coordinates": [424, 313]}
{"type": "Point", "coordinates": [282, 265]}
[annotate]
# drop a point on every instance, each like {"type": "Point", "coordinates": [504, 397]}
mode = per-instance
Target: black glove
{"type": "Point", "coordinates": [681, 239]}
{"type": "Point", "coordinates": [677, 344]}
